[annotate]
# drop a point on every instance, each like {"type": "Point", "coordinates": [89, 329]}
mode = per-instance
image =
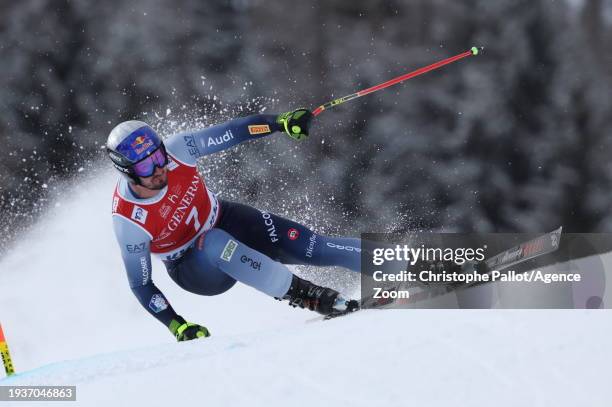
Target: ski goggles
{"type": "Point", "coordinates": [146, 167]}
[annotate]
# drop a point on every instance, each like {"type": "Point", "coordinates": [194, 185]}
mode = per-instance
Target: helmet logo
{"type": "Point", "coordinates": [141, 143]}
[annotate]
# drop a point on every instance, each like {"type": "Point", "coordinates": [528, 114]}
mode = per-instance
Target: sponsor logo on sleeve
{"type": "Point", "coordinates": [191, 146]}
{"type": "Point", "coordinates": [217, 141]}
{"type": "Point", "coordinates": [228, 250]}
{"type": "Point", "coordinates": [115, 204]}
{"type": "Point", "coordinates": [139, 214]}
{"type": "Point", "coordinates": [259, 129]}
{"type": "Point", "coordinates": [136, 248]}
{"type": "Point", "coordinates": [144, 269]}
{"type": "Point", "coordinates": [293, 234]}
{"type": "Point", "coordinates": [158, 303]}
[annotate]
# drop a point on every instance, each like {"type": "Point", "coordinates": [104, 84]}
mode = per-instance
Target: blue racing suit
{"type": "Point", "coordinates": [246, 244]}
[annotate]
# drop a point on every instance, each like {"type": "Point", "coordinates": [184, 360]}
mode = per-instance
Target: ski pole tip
{"type": "Point", "coordinates": [476, 50]}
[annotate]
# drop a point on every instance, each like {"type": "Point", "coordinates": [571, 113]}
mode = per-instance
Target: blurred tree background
{"type": "Point", "coordinates": [514, 140]}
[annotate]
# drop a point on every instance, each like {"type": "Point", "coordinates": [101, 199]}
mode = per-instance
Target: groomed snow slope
{"type": "Point", "coordinates": [63, 295]}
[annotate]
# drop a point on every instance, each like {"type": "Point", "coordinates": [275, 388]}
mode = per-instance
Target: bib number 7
{"type": "Point", "coordinates": [193, 215]}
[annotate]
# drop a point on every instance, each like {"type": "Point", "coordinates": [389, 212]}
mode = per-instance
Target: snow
{"type": "Point", "coordinates": [70, 319]}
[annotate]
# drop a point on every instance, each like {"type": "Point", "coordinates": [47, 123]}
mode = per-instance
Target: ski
{"type": "Point", "coordinates": [339, 314]}
{"type": "Point", "coordinates": [541, 245]}
{"type": "Point", "coordinates": [377, 304]}
{"type": "Point", "coordinates": [331, 316]}
{"type": "Point", "coordinates": [529, 250]}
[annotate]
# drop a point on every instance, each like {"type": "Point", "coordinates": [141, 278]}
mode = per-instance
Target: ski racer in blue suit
{"type": "Point", "coordinates": [161, 206]}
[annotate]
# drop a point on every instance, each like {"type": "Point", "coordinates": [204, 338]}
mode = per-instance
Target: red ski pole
{"type": "Point", "coordinates": [402, 78]}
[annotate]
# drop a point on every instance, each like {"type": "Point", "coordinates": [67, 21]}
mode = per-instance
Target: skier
{"type": "Point", "coordinates": [161, 205]}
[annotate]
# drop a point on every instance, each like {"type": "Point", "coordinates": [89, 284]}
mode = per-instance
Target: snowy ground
{"type": "Point", "coordinates": [64, 296]}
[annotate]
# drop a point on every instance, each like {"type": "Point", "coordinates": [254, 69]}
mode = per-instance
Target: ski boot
{"type": "Point", "coordinates": [325, 301]}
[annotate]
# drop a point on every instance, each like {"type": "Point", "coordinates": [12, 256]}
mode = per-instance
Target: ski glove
{"type": "Point", "coordinates": [186, 331]}
{"type": "Point", "coordinates": [295, 123]}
